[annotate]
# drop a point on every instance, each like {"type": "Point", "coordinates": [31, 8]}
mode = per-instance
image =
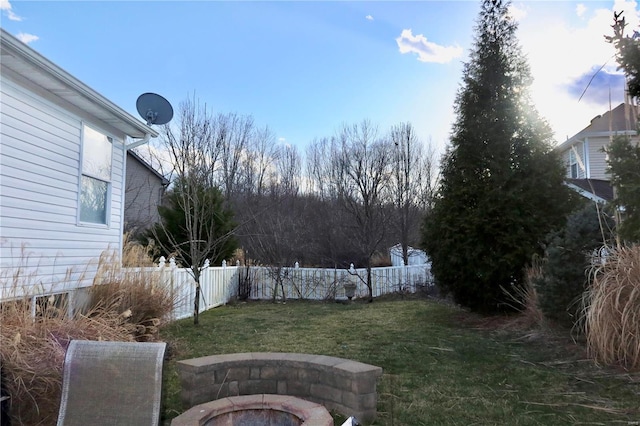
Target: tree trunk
{"type": "Point", "coordinates": [369, 283]}
{"type": "Point", "coordinates": [196, 305]}
{"type": "Point", "coordinates": [405, 252]}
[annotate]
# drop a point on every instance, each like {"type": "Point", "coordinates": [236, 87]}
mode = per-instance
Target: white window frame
{"type": "Point", "coordinates": [573, 165]}
{"type": "Point", "coordinates": [88, 174]}
{"type": "Point", "coordinates": [574, 161]}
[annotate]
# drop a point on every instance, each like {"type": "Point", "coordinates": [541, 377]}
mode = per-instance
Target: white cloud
{"type": "Point", "coordinates": [26, 38]}
{"type": "Point", "coordinates": [426, 50]}
{"type": "Point", "coordinates": [631, 13]}
{"type": "Point", "coordinates": [581, 9]}
{"type": "Point", "coordinates": [369, 18]}
{"type": "Point", "coordinates": [281, 140]}
{"type": "Point", "coordinates": [565, 56]}
{"type": "Point", "coordinates": [6, 7]}
{"type": "Point", "coordinates": [517, 12]}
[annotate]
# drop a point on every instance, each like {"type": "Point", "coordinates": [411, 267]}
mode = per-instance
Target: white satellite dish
{"type": "Point", "coordinates": [154, 109]}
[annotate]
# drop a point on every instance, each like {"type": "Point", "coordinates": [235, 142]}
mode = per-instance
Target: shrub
{"type": "Point", "coordinates": [567, 259]}
{"type": "Point", "coordinates": [612, 313]}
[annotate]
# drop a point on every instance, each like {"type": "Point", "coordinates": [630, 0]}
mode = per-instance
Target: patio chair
{"type": "Point", "coordinates": [111, 383]}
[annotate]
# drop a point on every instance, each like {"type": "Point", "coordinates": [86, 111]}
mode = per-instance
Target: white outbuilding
{"type": "Point", "coordinates": [416, 256]}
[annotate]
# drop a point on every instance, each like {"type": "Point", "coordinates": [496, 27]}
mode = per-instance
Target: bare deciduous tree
{"type": "Point", "coordinates": [258, 162]}
{"type": "Point", "coordinates": [275, 235]}
{"type": "Point", "coordinates": [235, 133]}
{"type": "Point", "coordinates": [194, 147]}
{"type": "Point", "coordinates": [412, 183]}
{"type": "Point", "coordinates": [361, 169]}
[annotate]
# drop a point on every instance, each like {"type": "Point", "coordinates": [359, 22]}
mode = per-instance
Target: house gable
{"type": "Point", "coordinates": [44, 112]}
{"type": "Point", "coordinates": [583, 154]}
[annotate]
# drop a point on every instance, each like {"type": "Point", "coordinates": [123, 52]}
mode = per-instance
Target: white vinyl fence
{"type": "Point", "coordinates": [220, 285]}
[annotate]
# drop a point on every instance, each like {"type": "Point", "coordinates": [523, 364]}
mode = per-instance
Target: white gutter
{"type": "Point", "coordinates": [138, 142]}
{"type": "Point", "coordinates": [587, 194]}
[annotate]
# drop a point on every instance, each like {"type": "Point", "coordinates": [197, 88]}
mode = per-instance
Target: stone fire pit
{"type": "Point", "coordinates": [343, 385]}
{"type": "Point", "coordinates": [261, 409]}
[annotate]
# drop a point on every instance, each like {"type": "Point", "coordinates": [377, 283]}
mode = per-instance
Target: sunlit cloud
{"type": "Point", "coordinates": [563, 60]}
{"type": "Point", "coordinates": [369, 18]}
{"type": "Point", "coordinates": [5, 6]}
{"type": "Point", "coordinates": [426, 50]}
{"type": "Point", "coordinates": [598, 86]}
{"type": "Point", "coordinates": [517, 12]}
{"type": "Point", "coordinates": [26, 38]}
{"type": "Point", "coordinates": [581, 9]}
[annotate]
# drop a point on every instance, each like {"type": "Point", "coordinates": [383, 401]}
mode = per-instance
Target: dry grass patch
{"type": "Point", "coordinates": [524, 299]}
{"type": "Point", "coordinates": [33, 349]}
{"type": "Point", "coordinates": [134, 293]}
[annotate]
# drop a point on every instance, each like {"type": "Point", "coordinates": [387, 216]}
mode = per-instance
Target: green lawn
{"type": "Point", "coordinates": [440, 367]}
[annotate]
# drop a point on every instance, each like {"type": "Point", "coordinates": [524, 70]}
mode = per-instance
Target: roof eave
{"type": "Point", "coordinates": [581, 136]}
{"type": "Point", "coordinates": [18, 48]}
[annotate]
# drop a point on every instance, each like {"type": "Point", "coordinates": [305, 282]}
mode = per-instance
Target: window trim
{"type": "Point", "coordinates": [573, 162]}
{"type": "Point", "coordinates": [81, 174]}
{"type": "Point", "coordinates": [573, 165]}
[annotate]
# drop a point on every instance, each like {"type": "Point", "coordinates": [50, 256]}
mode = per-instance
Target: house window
{"type": "Point", "coordinates": [573, 165]}
{"type": "Point", "coordinates": [95, 182]}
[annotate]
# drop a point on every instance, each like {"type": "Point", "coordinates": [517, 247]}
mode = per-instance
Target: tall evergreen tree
{"type": "Point", "coordinates": [501, 189]}
{"type": "Point", "coordinates": [627, 52]}
{"type": "Point", "coordinates": [624, 166]}
{"type": "Point", "coordinates": [623, 153]}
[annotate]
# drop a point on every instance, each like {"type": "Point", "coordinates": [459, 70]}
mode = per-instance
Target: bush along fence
{"type": "Point", "coordinates": [219, 285]}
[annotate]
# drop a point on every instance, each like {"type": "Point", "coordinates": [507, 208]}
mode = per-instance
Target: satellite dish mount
{"type": "Point", "coordinates": [154, 109]}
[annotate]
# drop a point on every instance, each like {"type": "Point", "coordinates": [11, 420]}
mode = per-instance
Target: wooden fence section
{"type": "Point", "coordinates": [220, 285]}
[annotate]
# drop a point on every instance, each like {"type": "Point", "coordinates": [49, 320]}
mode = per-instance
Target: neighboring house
{"type": "Point", "coordinates": [144, 191]}
{"type": "Point", "coordinates": [584, 156]}
{"type": "Point", "coordinates": [62, 166]}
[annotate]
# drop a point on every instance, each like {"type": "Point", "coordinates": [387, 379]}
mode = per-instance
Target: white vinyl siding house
{"type": "Point", "coordinates": [597, 158]}
{"type": "Point", "coordinates": [584, 153]}
{"type": "Point", "coordinates": [52, 130]}
{"type": "Point", "coordinates": [575, 161]}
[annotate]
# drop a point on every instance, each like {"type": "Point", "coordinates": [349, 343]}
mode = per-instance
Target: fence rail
{"type": "Point", "coordinates": [219, 285]}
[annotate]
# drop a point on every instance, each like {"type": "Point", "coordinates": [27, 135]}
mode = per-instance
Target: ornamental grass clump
{"type": "Point", "coordinates": [524, 298]}
{"type": "Point", "coordinates": [612, 312]}
{"type": "Point", "coordinates": [35, 332]}
{"type": "Point", "coordinates": [138, 294]}
{"type": "Point", "coordinates": [32, 351]}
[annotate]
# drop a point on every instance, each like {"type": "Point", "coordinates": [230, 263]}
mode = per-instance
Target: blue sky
{"type": "Point", "coordinates": [304, 68]}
